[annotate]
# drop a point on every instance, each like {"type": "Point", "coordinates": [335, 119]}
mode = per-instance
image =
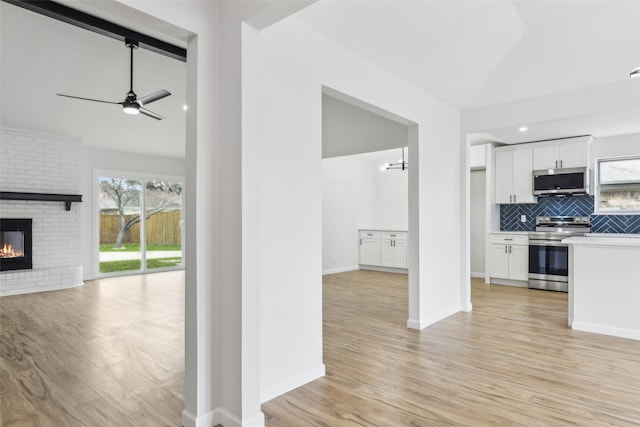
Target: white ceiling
{"type": "Point", "coordinates": [42, 56]}
{"type": "Point", "coordinates": [470, 54]}
{"type": "Point", "coordinates": [475, 54]}
{"type": "Point", "coordinates": [379, 158]}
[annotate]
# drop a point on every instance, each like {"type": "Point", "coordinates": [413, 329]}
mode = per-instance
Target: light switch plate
{"type": "Point", "coordinates": [523, 218]}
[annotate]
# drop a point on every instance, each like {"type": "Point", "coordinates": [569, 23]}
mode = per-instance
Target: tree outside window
{"type": "Point", "coordinates": [618, 186]}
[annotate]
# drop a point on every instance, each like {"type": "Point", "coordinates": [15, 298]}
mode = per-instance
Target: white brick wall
{"type": "Point", "coordinates": [41, 163]}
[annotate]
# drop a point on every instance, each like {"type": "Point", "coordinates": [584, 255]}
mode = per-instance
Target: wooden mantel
{"type": "Point", "coordinates": [42, 197]}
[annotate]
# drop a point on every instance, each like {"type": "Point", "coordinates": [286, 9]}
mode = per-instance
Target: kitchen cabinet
{"type": "Point", "coordinates": [509, 256]}
{"type": "Point", "coordinates": [393, 249]}
{"type": "Point", "coordinates": [559, 155]}
{"type": "Point", "coordinates": [386, 248]}
{"type": "Point", "coordinates": [513, 175]}
{"type": "Point", "coordinates": [369, 247]}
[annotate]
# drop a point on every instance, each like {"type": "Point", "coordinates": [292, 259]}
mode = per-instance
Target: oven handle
{"type": "Point", "coordinates": [547, 243]}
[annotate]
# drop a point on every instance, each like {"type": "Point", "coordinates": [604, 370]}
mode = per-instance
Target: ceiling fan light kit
{"type": "Point", "coordinates": [131, 104]}
{"type": "Point", "coordinates": [635, 73]}
{"type": "Point", "coordinates": [401, 165]}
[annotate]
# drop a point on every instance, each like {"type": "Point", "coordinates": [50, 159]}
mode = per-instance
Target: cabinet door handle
{"type": "Point", "coordinates": [509, 248]}
{"type": "Point", "coordinates": [510, 198]}
{"type": "Point", "coordinates": [505, 249]}
{"type": "Point", "coordinates": [514, 198]}
{"type": "Point", "coordinates": [360, 241]}
{"type": "Point", "coordinates": [560, 164]}
{"type": "Point", "coordinates": [556, 164]}
{"type": "Point", "coordinates": [508, 239]}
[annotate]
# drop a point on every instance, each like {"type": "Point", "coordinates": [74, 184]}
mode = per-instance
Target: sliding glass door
{"type": "Point", "coordinates": [129, 241]}
{"type": "Point", "coordinates": [163, 209]}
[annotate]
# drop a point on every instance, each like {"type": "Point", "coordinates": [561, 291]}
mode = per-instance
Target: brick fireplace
{"type": "Point", "coordinates": [34, 162]}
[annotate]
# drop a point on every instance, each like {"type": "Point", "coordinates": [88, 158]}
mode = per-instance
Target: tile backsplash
{"type": "Point", "coordinates": [575, 206]}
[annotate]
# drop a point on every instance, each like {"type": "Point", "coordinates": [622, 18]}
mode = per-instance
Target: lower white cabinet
{"type": "Point", "coordinates": [393, 249]}
{"type": "Point", "coordinates": [509, 256]}
{"type": "Point", "coordinates": [383, 248]}
{"type": "Point", "coordinates": [370, 247]}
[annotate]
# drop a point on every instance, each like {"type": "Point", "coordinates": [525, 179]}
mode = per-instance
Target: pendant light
{"type": "Point", "coordinates": [401, 165]}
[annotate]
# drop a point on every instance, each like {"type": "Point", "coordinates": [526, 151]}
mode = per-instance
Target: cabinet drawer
{"type": "Point", "coordinates": [510, 239]}
{"type": "Point", "coordinates": [394, 235]}
{"type": "Point", "coordinates": [369, 234]}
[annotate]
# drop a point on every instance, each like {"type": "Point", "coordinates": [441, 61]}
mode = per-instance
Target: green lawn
{"type": "Point", "coordinates": [134, 264]}
{"type": "Point", "coordinates": [136, 248]}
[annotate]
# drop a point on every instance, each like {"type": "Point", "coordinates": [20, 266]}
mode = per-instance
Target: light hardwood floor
{"type": "Point", "coordinates": [512, 361]}
{"type": "Point", "coordinates": [111, 353]}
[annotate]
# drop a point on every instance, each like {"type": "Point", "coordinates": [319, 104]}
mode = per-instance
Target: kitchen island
{"type": "Point", "coordinates": [604, 285]}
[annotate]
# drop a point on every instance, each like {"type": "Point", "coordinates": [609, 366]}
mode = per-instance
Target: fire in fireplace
{"type": "Point", "coordinates": [15, 244]}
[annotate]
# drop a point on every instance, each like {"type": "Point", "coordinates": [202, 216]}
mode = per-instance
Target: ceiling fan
{"type": "Point", "coordinates": [131, 103]}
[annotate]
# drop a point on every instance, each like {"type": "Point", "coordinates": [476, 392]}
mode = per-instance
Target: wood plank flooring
{"type": "Point", "coordinates": [512, 361]}
{"type": "Point", "coordinates": [109, 353]}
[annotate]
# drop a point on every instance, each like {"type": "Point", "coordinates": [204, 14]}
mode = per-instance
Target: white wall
{"type": "Point", "coordinates": [614, 146]}
{"type": "Point", "coordinates": [478, 222]}
{"type": "Point", "coordinates": [287, 179]}
{"type": "Point", "coordinates": [391, 199]}
{"type": "Point", "coordinates": [348, 129]}
{"type": "Point", "coordinates": [348, 204]}
{"type": "Point", "coordinates": [356, 194]}
{"type": "Point", "coordinates": [92, 159]}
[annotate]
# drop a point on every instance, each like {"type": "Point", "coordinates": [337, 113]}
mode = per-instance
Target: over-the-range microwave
{"type": "Point", "coordinates": [560, 182]}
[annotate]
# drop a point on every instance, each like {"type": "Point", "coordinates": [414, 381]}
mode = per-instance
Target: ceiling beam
{"type": "Point", "coordinates": [98, 25]}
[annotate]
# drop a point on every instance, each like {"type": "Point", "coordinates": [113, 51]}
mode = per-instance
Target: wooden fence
{"type": "Point", "coordinates": [162, 229]}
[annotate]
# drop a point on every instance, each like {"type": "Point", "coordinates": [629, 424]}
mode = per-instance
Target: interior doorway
{"type": "Point", "coordinates": [365, 190]}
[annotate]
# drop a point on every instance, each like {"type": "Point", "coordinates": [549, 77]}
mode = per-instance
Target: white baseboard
{"type": "Point", "coordinates": [289, 384]}
{"type": "Point", "coordinates": [467, 307]}
{"type": "Point", "coordinates": [385, 269]}
{"type": "Point", "coordinates": [507, 282]}
{"type": "Point", "coordinates": [423, 323]}
{"type": "Point", "coordinates": [340, 269]}
{"type": "Point", "coordinates": [204, 420]}
{"type": "Point", "coordinates": [221, 416]}
{"type": "Point", "coordinates": [633, 334]}
{"type": "Point", "coordinates": [477, 275]}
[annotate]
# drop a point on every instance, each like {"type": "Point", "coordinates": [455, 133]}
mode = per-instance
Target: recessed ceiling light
{"type": "Point", "coordinates": [523, 129]}
{"type": "Point", "coordinates": [635, 73]}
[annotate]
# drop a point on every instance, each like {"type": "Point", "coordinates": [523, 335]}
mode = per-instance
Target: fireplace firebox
{"type": "Point", "coordinates": [15, 244]}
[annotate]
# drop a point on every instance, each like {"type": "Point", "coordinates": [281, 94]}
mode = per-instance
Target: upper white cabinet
{"type": "Point", "coordinates": [558, 155]}
{"type": "Point", "coordinates": [513, 175]}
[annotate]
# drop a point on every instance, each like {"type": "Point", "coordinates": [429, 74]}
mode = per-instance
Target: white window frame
{"type": "Point", "coordinates": [596, 207]}
{"type": "Point", "coordinates": [97, 173]}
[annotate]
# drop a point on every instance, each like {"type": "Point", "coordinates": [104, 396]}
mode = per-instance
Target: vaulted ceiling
{"type": "Point", "coordinates": [471, 54]}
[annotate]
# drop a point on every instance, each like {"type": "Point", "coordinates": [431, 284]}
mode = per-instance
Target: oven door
{"type": "Point", "coordinates": [548, 265]}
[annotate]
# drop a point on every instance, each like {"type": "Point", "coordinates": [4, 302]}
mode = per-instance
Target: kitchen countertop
{"type": "Point", "coordinates": [524, 233]}
{"type": "Point", "coordinates": [605, 240]}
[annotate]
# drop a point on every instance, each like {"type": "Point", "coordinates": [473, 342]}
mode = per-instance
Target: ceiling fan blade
{"type": "Point", "coordinates": [153, 97]}
{"type": "Point", "coordinates": [88, 99]}
{"type": "Point", "coordinates": [150, 114]}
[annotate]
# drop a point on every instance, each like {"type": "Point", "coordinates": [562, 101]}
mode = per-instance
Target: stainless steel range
{"type": "Point", "coordinates": [548, 256]}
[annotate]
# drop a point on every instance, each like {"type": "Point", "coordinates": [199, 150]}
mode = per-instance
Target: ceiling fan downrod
{"type": "Point", "coordinates": [131, 44]}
